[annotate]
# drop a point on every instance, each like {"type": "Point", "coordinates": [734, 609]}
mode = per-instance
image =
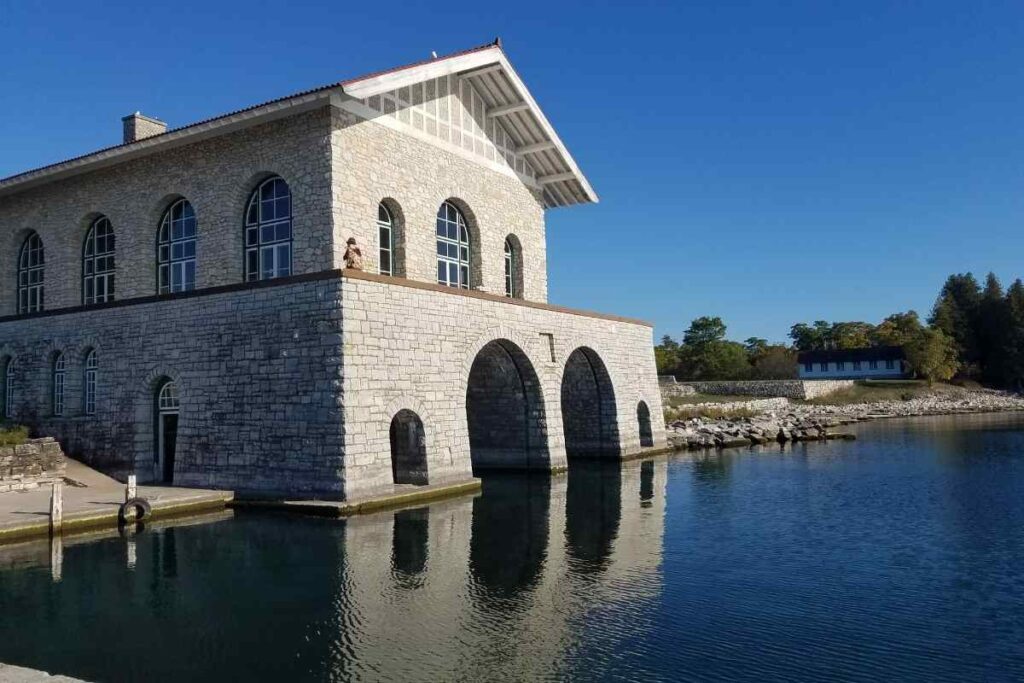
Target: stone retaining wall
{"type": "Point", "coordinates": [785, 388]}
{"type": "Point", "coordinates": [671, 388]}
{"type": "Point", "coordinates": [35, 463]}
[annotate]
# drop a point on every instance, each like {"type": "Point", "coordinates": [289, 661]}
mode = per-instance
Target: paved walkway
{"type": "Point", "coordinates": [18, 674]}
{"type": "Point", "coordinates": [93, 499]}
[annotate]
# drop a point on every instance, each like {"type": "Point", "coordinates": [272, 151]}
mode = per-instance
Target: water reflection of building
{"type": "Point", "coordinates": [500, 582]}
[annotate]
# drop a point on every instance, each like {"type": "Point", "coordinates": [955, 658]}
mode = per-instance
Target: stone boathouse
{"type": "Point", "coordinates": [177, 305]}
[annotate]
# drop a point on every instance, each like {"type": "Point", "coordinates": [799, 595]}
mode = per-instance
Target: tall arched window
{"type": "Point", "coordinates": [98, 263]}
{"type": "Point", "coordinates": [510, 269]}
{"type": "Point", "coordinates": [92, 365]}
{"type": "Point", "coordinates": [268, 231]}
{"type": "Point", "coordinates": [30, 274]}
{"type": "Point", "coordinates": [10, 371]}
{"type": "Point", "coordinates": [386, 237]}
{"type": "Point", "coordinates": [59, 382]}
{"type": "Point", "coordinates": [452, 247]}
{"type": "Point", "coordinates": [176, 249]}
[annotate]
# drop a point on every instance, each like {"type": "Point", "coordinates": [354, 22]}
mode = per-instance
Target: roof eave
{"type": "Point", "coordinates": [468, 65]}
{"type": "Point", "coordinates": [288, 106]}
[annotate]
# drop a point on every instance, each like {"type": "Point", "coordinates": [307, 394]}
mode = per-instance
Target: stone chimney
{"type": "Point", "coordinates": [139, 127]}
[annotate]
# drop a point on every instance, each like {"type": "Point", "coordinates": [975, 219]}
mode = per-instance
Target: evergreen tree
{"type": "Point", "coordinates": [956, 314]}
{"type": "Point", "coordinates": [1012, 356]}
{"type": "Point", "coordinates": [990, 328]}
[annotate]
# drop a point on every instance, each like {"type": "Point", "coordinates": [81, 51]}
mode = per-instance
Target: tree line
{"type": "Point", "coordinates": [973, 332]}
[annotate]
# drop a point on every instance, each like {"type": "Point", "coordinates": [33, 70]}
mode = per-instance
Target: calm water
{"type": "Point", "coordinates": [898, 556]}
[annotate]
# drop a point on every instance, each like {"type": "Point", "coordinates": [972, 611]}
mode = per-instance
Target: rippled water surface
{"type": "Point", "coordinates": [899, 556]}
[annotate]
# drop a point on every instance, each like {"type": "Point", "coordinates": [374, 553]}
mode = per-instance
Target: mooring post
{"type": "Point", "coordinates": [129, 488]}
{"type": "Point", "coordinates": [56, 507]}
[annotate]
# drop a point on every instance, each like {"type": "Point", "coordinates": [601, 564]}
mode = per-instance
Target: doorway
{"type": "Point", "coordinates": [167, 408]}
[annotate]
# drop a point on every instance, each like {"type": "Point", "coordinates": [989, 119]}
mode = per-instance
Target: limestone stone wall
{"type": "Point", "coordinates": [35, 463]}
{"type": "Point", "coordinates": [410, 346]}
{"type": "Point", "coordinates": [373, 162]}
{"type": "Point", "coordinates": [215, 175]}
{"type": "Point", "coordinates": [258, 370]}
{"type": "Point", "coordinates": [786, 388]}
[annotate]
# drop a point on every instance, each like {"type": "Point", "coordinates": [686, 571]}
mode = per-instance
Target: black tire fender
{"type": "Point", "coordinates": [141, 507]}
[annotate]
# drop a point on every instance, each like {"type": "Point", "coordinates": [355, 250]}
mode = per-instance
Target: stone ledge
{"type": "Point", "coordinates": [486, 296]}
{"type": "Point", "coordinates": [390, 500]}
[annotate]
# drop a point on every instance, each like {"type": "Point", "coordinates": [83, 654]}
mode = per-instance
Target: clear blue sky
{"type": "Point", "coordinates": [765, 162]}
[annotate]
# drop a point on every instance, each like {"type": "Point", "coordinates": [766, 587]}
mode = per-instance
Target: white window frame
{"type": "Point", "coordinates": [268, 235]}
{"type": "Point", "coordinates": [176, 249]}
{"type": "Point", "coordinates": [59, 383]}
{"type": "Point", "coordinates": [453, 240]}
{"type": "Point", "coordinates": [31, 274]}
{"type": "Point", "coordinates": [10, 371]}
{"type": "Point", "coordinates": [91, 378]}
{"type": "Point", "coordinates": [98, 266]}
{"type": "Point", "coordinates": [510, 270]}
{"type": "Point", "coordinates": [386, 240]}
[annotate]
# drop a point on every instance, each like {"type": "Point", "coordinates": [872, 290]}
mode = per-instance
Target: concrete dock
{"type": "Point", "coordinates": [18, 674]}
{"type": "Point", "coordinates": [92, 500]}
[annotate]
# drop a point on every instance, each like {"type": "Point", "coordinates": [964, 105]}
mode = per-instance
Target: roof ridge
{"type": "Point", "coordinates": [495, 44]}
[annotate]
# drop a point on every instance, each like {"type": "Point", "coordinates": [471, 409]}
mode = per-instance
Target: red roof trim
{"type": "Point", "coordinates": [312, 91]}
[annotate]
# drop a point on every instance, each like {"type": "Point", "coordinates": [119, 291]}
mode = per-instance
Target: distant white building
{"type": "Point", "coordinates": [879, 362]}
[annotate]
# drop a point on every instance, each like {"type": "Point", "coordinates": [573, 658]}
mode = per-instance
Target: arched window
{"type": "Point", "coordinates": [92, 365]}
{"type": "Point", "coordinates": [30, 274]}
{"type": "Point", "coordinates": [268, 231]}
{"type": "Point", "coordinates": [386, 236]}
{"type": "Point", "coordinates": [98, 263]}
{"type": "Point", "coordinates": [10, 371]}
{"type": "Point", "coordinates": [452, 247]}
{"type": "Point", "coordinates": [168, 397]}
{"type": "Point", "coordinates": [59, 382]}
{"type": "Point", "coordinates": [510, 269]}
{"type": "Point", "coordinates": [176, 249]}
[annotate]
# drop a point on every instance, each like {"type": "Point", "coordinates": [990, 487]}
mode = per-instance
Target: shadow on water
{"type": "Point", "coordinates": [593, 511]}
{"type": "Point", "coordinates": [409, 546]}
{"type": "Point", "coordinates": [510, 531]}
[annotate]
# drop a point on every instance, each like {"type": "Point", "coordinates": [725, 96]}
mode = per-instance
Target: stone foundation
{"type": "Point", "coordinates": [35, 463]}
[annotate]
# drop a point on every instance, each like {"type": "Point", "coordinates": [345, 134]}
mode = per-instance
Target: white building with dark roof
{"type": "Point", "coordinates": [875, 362]}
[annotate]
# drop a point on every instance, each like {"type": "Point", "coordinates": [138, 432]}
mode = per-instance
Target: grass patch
{"type": "Point", "coordinates": [13, 435]}
{"type": "Point", "coordinates": [874, 391]}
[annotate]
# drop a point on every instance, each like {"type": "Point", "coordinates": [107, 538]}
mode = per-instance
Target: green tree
{"type": "Point", "coordinates": [775, 362]}
{"type": "Point", "coordinates": [990, 330]}
{"type": "Point", "coordinates": [811, 337]}
{"type": "Point", "coordinates": [956, 314]}
{"type": "Point", "coordinates": [898, 329]}
{"type": "Point", "coordinates": [714, 360]}
{"type": "Point", "coordinates": [755, 347]}
{"type": "Point", "coordinates": [1011, 363]}
{"type": "Point", "coordinates": [705, 354]}
{"type": "Point", "coordinates": [933, 355]}
{"type": "Point", "coordinates": [704, 330]}
{"type": "Point", "coordinates": [850, 335]}
{"type": "Point", "coordinates": [666, 356]}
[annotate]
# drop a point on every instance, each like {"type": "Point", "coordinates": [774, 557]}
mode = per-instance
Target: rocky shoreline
{"type": "Point", "coordinates": [776, 423]}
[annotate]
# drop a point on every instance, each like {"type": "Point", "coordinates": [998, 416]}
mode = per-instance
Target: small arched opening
{"type": "Point", "coordinates": [589, 416]}
{"type": "Point", "coordinates": [505, 410]}
{"type": "Point", "coordinates": [643, 420]}
{"type": "Point", "coordinates": [167, 406]}
{"type": "Point", "coordinates": [408, 449]}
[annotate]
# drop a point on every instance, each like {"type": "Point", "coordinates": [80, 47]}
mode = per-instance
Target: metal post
{"type": "Point", "coordinates": [130, 488]}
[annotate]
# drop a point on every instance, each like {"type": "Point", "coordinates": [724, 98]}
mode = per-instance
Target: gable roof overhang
{"type": "Point", "coordinates": [486, 68]}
